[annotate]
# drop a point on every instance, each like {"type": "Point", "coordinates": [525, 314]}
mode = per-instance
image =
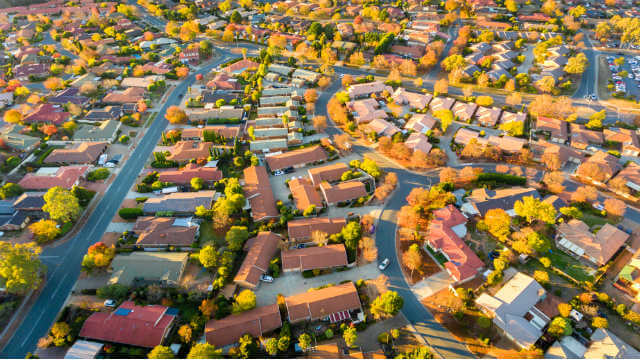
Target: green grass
{"type": "Point", "coordinates": [438, 256]}
{"type": "Point", "coordinates": [569, 265]}
{"type": "Point", "coordinates": [209, 236]}
{"type": "Point", "coordinates": [592, 220]}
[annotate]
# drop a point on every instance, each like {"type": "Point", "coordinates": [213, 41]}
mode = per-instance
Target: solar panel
{"type": "Point", "coordinates": [122, 312]}
{"type": "Point", "coordinates": [172, 311]}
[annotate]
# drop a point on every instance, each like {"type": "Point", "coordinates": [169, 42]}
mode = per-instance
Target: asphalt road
{"type": "Point", "coordinates": [63, 261]}
{"type": "Point", "coordinates": [588, 81]}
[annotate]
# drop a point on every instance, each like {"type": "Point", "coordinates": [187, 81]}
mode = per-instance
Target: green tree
{"type": "Point", "coordinates": [60, 331]}
{"type": "Point", "coordinates": [271, 346]}
{"type": "Point", "coordinates": [386, 305]}
{"type": "Point", "coordinates": [453, 62]}
{"type": "Point", "coordinates": [498, 223]}
{"type": "Point", "coordinates": [208, 256]}
{"type": "Point", "coordinates": [560, 327]}
{"type": "Point", "coordinates": [446, 118]}
{"type": "Point", "coordinates": [538, 242]}
{"type": "Point", "coordinates": [10, 190]}
{"type": "Point", "coordinates": [236, 236]}
{"type": "Point", "coordinates": [284, 342]}
{"type": "Point", "coordinates": [596, 119]}
{"type": "Point", "coordinates": [350, 336]}
{"type": "Point", "coordinates": [370, 167]}
{"type": "Point", "coordinates": [245, 300]}
{"type": "Point", "coordinates": [196, 183]}
{"type": "Point", "coordinates": [577, 64]}
{"type": "Point", "coordinates": [571, 211]}
{"type": "Point", "coordinates": [351, 233]}
{"type": "Point", "coordinates": [204, 351]}
{"type": "Point", "coordinates": [533, 208]}
{"type": "Point", "coordinates": [304, 341]}
{"type": "Point", "coordinates": [310, 210]}
{"type": "Point", "coordinates": [160, 352]}
{"type": "Point", "coordinates": [235, 18]}
{"type": "Point", "coordinates": [61, 205]}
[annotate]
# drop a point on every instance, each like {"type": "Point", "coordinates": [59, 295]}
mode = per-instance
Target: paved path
{"type": "Point", "coordinates": [432, 284]}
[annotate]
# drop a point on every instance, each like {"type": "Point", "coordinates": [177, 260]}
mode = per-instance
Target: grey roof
{"type": "Point", "coordinates": [566, 348]}
{"type": "Point", "coordinates": [151, 266]}
{"type": "Point", "coordinates": [285, 91]}
{"type": "Point", "coordinates": [29, 200]}
{"type": "Point", "coordinates": [17, 218]}
{"type": "Point", "coordinates": [105, 132]}
{"type": "Point", "coordinates": [261, 145]}
{"type": "Point", "coordinates": [504, 202]}
{"type": "Point", "coordinates": [280, 69]}
{"type": "Point", "coordinates": [6, 207]}
{"type": "Point", "coordinates": [270, 132]}
{"type": "Point", "coordinates": [83, 349]}
{"type": "Point", "coordinates": [108, 113]}
{"type": "Point", "coordinates": [606, 345]}
{"type": "Point", "coordinates": [180, 202]}
{"type": "Point", "coordinates": [12, 137]}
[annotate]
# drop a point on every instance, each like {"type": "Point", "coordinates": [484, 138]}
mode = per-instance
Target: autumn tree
{"type": "Point", "coordinates": [320, 123]}
{"type": "Point", "coordinates": [53, 83]}
{"type": "Point", "coordinates": [412, 258]}
{"type": "Point", "coordinates": [160, 352]}
{"type": "Point", "coordinates": [20, 267]}
{"type": "Point", "coordinates": [615, 207]}
{"type": "Point", "coordinates": [175, 115]}
{"type": "Point", "coordinates": [310, 95]}
{"type": "Point", "coordinates": [498, 223]}
{"type": "Point", "coordinates": [12, 116]}
{"type": "Point", "coordinates": [448, 175]}
{"type": "Point", "coordinates": [44, 230]}
{"type": "Point", "coordinates": [441, 87]}
{"type": "Point", "coordinates": [446, 118]}
{"type": "Point", "coordinates": [551, 160]}
{"type": "Point", "coordinates": [61, 205]}
{"type": "Point", "coordinates": [584, 194]}
{"type": "Point", "coordinates": [319, 238]}
{"type": "Point", "coordinates": [245, 300]}
{"type": "Point", "coordinates": [99, 255]}
{"type": "Point", "coordinates": [533, 208]}
{"type": "Point", "coordinates": [554, 180]}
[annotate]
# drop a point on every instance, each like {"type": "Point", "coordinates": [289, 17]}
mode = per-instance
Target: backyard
{"type": "Point", "coordinates": [209, 235]}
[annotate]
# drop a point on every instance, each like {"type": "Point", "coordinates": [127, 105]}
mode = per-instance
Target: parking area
{"type": "Point", "coordinates": [625, 76]}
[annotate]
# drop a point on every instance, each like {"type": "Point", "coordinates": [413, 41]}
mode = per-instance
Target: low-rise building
{"type": "Point", "coordinates": [186, 150]}
{"type": "Point", "coordinates": [301, 230]}
{"type": "Point", "coordinates": [575, 238]}
{"type": "Point", "coordinates": [357, 91]}
{"type": "Point", "coordinates": [366, 110]}
{"type": "Point", "coordinates": [258, 192]}
{"type": "Point", "coordinates": [581, 137]}
{"type": "Point", "coordinates": [557, 129]}
{"type": "Point", "coordinates": [600, 167]}
{"type": "Point", "coordinates": [421, 123]}
{"type": "Point", "coordinates": [343, 192]}
{"type": "Point", "coordinates": [47, 177]}
{"type": "Point", "coordinates": [83, 153]}
{"type": "Point", "coordinates": [418, 142]}
{"type": "Point", "coordinates": [335, 303]}
{"type": "Point", "coordinates": [296, 158]}
{"type": "Point", "coordinates": [148, 266]}
{"type": "Point", "coordinates": [179, 203]}
{"type": "Point", "coordinates": [256, 322]}
{"type": "Point", "coordinates": [161, 232]}
{"type": "Point", "coordinates": [314, 258]}
{"type": "Point", "coordinates": [414, 100]}
{"type": "Point", "coordinates": [183, 176]}
{"type": "Point", "coordinates": [260, 250]}
{"type": "Point", "coordinates": [107, 131]}
{"type": "Point", "coordinates": [47, 114]}
{"type": "Point", "coordinates": [305, 194]}
{"type": "Point", "coordinates": [482, 200]}
{"type": "Point", "coordinates": [329, 173]}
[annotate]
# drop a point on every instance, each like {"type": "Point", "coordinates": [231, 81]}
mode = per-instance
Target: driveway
{"type": "Point", "coordinates": [293, 283]}
{"type": "Point", "coordinates": [432, 284]}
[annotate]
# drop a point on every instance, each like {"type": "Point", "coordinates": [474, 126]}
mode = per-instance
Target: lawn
{"type": "Point", "coordinates": [208, 235]}
{"type": "Point", "coordinates": [592, 220]}
{"type": "Point", "coordinates": [569, 265]}
{"type": "Point", "coordinates": [437, 255]}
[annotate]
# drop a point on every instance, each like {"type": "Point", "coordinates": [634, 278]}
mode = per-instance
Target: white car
{"type": "Point", "coordinates": [278, 173]}
{"type": "Point", "coordinates": [266, 278]}
{"type": "Point", "coordinates": [384, 264]}
{"type": "Point", "coordinates": [110, 303]}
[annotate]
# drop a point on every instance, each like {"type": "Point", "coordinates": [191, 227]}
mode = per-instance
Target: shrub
{"type": "Point", "coordinates": [130, 213]}
{"type": "Point", "coordinates": [113, 291]}
{"type": "Point", "coordinates": [98, 174]}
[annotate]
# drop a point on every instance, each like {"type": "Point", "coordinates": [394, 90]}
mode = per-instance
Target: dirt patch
{"type": "Point", "coordinates": [405, 238]}
{"type": "Point", "coordinates": [110, 238]}
{"type": "Point", "coordinates": [18, 237]}
{"type": "Point", "coordinates": [97, 186]}
{"type": "Point", "coordinates": [196, 277]}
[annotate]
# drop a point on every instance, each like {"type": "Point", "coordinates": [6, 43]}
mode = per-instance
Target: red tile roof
{"type": "Point", "coordinates": [161, 231]}
{"type": "Point", "coordinates": [321, 257]}
{"type": "Point", "coordinates": [184, 175]}
{"type": "Point", "coordinates": [258, 192]}
{"type": "Point", "coordinates": [301, 229]}
{"type": "Point", "coordinates": [187, 150]}
{"type": "Point", "coordinates": [65, 177]}
{"type": "Point", "coordinates": [296, 158]}
{"type": "Point", "coordinates": [317, 304]}
{"type": "Point", "coordinates": [328, 173]}
{"type": "Point", "coordinates": [144, 326]}
{"type": "Point", "coordinates": [241, 66]}
{"type": "Point", "coordinates": [263, 248]}
{"type": "Point", "coordinates": [47, 113]}
{"type": "Point", "coordinates": [256, 322]}
{"type": "Point", "coordinates": [304, 194]}
{"type": "Point", "coordinates": [341, 192]}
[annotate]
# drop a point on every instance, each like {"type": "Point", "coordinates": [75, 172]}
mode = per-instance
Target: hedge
{"type": "Point", "coordinates": [130, 213]}
{"type": "Point", "coordinates": [500, 179]}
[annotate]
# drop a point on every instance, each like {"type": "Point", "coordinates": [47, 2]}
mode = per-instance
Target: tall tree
{"type": "Point", "coordinates": [61, 205]}
{"type": "Point", "coordinates": [20, 267]}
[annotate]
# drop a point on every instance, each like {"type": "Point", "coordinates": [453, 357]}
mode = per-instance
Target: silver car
{"type": "Point", "coordinates": [384, 264]}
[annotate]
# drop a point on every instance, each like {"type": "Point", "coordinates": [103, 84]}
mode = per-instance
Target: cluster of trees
{"type": "Point", "coordinates": [99, 255]}
{"type": "Point", "coordinates": [395, 148]}
{"type": "Point", "coordinates": [421, 202]}
{"type": "Point", "coordinates": [63, 206]}
{"type": "Point", "coordinates": [20, 267]}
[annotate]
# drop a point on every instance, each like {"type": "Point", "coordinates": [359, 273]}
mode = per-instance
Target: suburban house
{"type": "Point", "coordinates": [312, 258]}
{"type": "Point", "coordinates": [240, 66]}
{"type": "Point", "coordinates": [329, 173]}
{"type": "Point", "coordinates": [335, 303]}
{"type": "Point", "coordinates": [421, 123]}
{"type": "Point", "coordinates": [223, 82]}
{"type": "Point", "coordinates": [482, 200]}
{"type": "Point", "coordinates": [575, 238]}
{"type": "Point", "coordinates": [564, 153]}
{"type": "Point", "coordinates": [47, 114]}
{"type": "Point", "coordinates": [604, 344]}
{"type": "Point", "coordinates": [12, 219]}
{"type": "Point", "coordinates": [581, 137]}
{"type": "Point", "coordinates": [418, 142]}
{"type": "Point", "coordinates": [464, 111]}
{"type": "Point", "coordinates": [628, 139]}
{"type": "Point", "coordinates": [260, 250]}
{"type": "Point", "coordinates": [83, 153]}
{"type": "Point", "coordinates": [305, 194]}
{"type": "Point", "coordinates": [445, 233]}
{"type": "Point", "coordinates": [631, 177]}
{"type": "Point", "coordinates": [184, 175]}
{"type": "Point", "coordinates": [357, 91]}
{"type": "Point", "coordinates": [256, 322]}
{"type": "Point", "coordinates": [489, 116]}
{"type": "Point", "coordinates": [366, 110]}
{"type": "Point", "coordinates": [184, 151]}
{"type": "Point", "coordinates": [600, 167]}
{"type": "Point", "coordinates": [342, 192]}
{"type": "Point", "coordinates": [301, 230]}
{"type": "Point", "coordinates": [414, 100]}
{"type": "Point", "coordinates": [557, 130]}
{"type": "Point", "coordinates": [521, 309]}
{"type": "Point", "coordinates": [161, 232]}
{"type": "Point", "coordinates": [223, 112]}
{"type": "Point", "coordinates": [128, 96]}
{"type": "Point", "coordinates": [441, 103]}
{"type": "Point", "coordinates": [198, 133]}
{"type": "Point", "coordinates": [179, 203]}
{"type": "Point", "coordinates": [269, 145]}
{"type": "Point", "coordinates": [296, 158]}
{"type": "Point", "coordinates": [258, 192]}
{"type": "Point", "coordinates": [508, 144]}
{"type": "Point", "coordinates": [382, 127]}
{"type": "Point", "coordinates": [47, 177]}
{"type": "Point", "coordinates": [155, 267]}
{"type": "Point", "coordinates": [143, 326]}
{"type": "Point", "coordinates": [12, 136]}
{"type": "Point", "coordinates": [30, 203]}
{"type": "Point", "coordinates": [628, 279]}
{"type": "Point", "coordinates": [106, 131]}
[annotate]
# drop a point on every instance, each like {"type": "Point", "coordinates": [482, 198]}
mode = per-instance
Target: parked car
{"type": "Point", "coordinates": [278, 173]}
{"type": "Point", "coordinates": [110, 303]}
{"type": "Point", "coordinates": [266, 278]}
{"type": "Point", "coordinates": [384, 264]}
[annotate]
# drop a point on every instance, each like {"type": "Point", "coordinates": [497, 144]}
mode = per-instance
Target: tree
{"type": "Point", "coordinates": [615, 207]}
{"type": "Point", "coordinates": [448, 175]}
{"type": "Point", "coordinates": [560, 327]}
{"type": "Point", "coordinates": [584, 194]}
{"type": "Point", "coordinates": [514, 99]}
{"type": "Point", "coordinates": [53, 83]}
{"type": "Point", "coordinates": [596, 119]}
{"type": "Point", "coordinates": [564, 309]}
{"type": "Point", "coordinates": [20, 267]}
{"type": "Point", "coordinates": [12, 116]}
{"type": "Point", "coordinates": [186, 333]}
{"type": "Point", "coordinates": [208, 256]}
{"type": "Point", "coordinates": [245, 300]}
{"type": "Point", "coordinates": [60, 331]}
{"type": "Point", "coordinates": [533, 208]}
{"type": "Point", "coordinates": [546, 84]}
{"type": "Point", "coordinates": [453, 62]}
{"type": "Point", "coordinates": [577, 64]}
{"type": "Point", "coordinates": [304, 341]}
{"type": "Point", "coordinates": [235, 18]}
{"type": "Point", "coordinates": [175, 115]}
{"type": "Point", "coordinates": [441, 87]}
{"type": "Point", "coordinates": [370, 167]}
{"type": "Point", "coordinates": [319, 238]}
{"type": "Point", "coordinates": [484, 100]}
{"type": "Point", "coordinates": [320, 123]}
{"type": "Point", "coordinates": [49, 129]}
{"type": "Point", "coordinates": [160, 352]}
{"type": "Point", "coordinates": [350, 336]}
{"type": "Point", "coordinates": [387, 305]}
{"type": "Point", "coordinates": [541, 276]}
{"type": "Point", "coordinates": [412, 258]}
{"type": "Point", "coordinates": [599, 322]}
{"type": "Point", "coordinates": [98, 255]}
{"type": "Point", "coordinates": [511, 6]}
{"type": "Point", "coordinates": [271, 346]}
{"type": "Point", "coordinates": [351, 233]}
{"type": "Point", "coordinates": [554, 180]}
{"type": "Point", "coordinates": [310, 95]}
{"type": "Point", "coordinates": [236, 236]}
{"type": "Point", "coordinates": [44, 230]}
{"type": "Point", "coordinates": [571, 211]}
{"type": "Point", "coordinates": [498, 223]}
{"type": "Point", "coordinates": [61, 205]}
{"type": "Point", "coordinates": [196, 183]}
{"type": "Point", "coordinates": [446, 118]}
{"type": "Point", "coordinates": [204, 351]}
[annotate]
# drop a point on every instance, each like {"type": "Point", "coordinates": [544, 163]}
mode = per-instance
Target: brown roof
{"type": "Point", "coordinates": [183, 176]}
{"type": "Point", "coordinates": [600, 246]}
{"type": "Point", "coordinates": [258, 191]}
{"type": "Point", "coordinates": [65, 177]}
{"type": "Point", "coordinates": [263, 248]}
{"type": "Point", "coordinates": [557, 128]}
{"type": "Point", "coordinates": [607, 163]}
{"type": "Point", "coordinates": [162, 231]}
{"type": "Point", "coordinates": [304, 193]}
{"type": "Point", "coordinates": [197, 133]}
{"type": "Point", "coordinates": [296, 158]}
{"type": "Point", "coordinates": [241, 66]}
{"type": "Point", "coordinates": [344, 191]}
{"type": "Point", "coordinates": [256, 322]}
{"type": "Point", "coordinates": [83, 153]}
{"type": "Point", "coordinates": [128, 96]}
{"type": "Point", "coordinates": [187, 150]}
{"type": "Point", "coordinates": [301, 229]}
{"type": "Point", "coordinates": [329, 173]}
{"type": "Point", "coordinates": [322, 257]}
{"type": "Point", "coordinates": [317, 304]}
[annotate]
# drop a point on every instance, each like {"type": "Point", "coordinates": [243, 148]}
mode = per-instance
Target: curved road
{"type": "Point", "coordinates": [64, 260]}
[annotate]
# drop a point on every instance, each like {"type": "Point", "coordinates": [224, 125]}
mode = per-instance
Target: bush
{"type": "Point", "coordinates": [98, 174]}
{"type": "Point", "coordinates": [130, 213]}
{"type": "Point", "coordinates": [494, 179]}
{"type": "Point", "coordinates": [141, 199]}
{"type": "Point", "coordinates": [113, 291]}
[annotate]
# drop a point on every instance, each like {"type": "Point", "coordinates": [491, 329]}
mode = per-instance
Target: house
{"type": "Point", "coordinates": [421, 123]}
{"type": "Point", "coordinates": [600, 167]}
{"type": "Point", "coordinates": [557, 129]}
{"type": "Point", "coordinates": [148, 266]}
{"type": "Point", "coordinates": [418, 142]}
{"type": "Point", "coordinates": [357, 91]}
{"type": "Point", "coordinates": [342, 192]}
{"type": "Point", "coordinates": [268, 145]}
{"type": "Point", "coordinates": [489, 116]}
{"type": "Point", "coordinates": [464, 111]}
{"type": "Point", "coordinates": [139, 82]}
{"type": "Point", "coordinates": [47, 114]}
{"type": "Point", "coordinates": [482, 200]}
{"type": "Point", "coordinates": [189, 56]}
{"type": "Point", "coordinates": [581, 137]}
{"type": "Point", "coordinates": [329, 173]}
{"type": "Point", "coordinates": [575, 238]}
{"type": "Point", "coordinates": [335, 303]}
{"type": "Point", "coordinates": [280, 69]}
{"type": "Point", "coordinates": [69, 95]}
{"type": "Point", "coordinates": [300, 230]}
{"type": "Point", "coordinates": [413, 52]}
{"type": "Point", "coordinates": [47, 177]}
{"type": "Point", "coordinates": [107, 131]}
{"type": "Point", "coordinates": [305, 194]}
{"type": "Point", "coordinates": [606, 345]}
{"type": "Point", "coordinates": [240, 66]}
{"type": "Point", "coordinates": [83, 153]}
{"type": "Point", "coordinates": [306, 75]}
{"type": "Point", "coordinates": [223, 81]}
{"type": "Point", "coordinates": [128, 96]}
{"type": "Point", "coordinates": [312, 258]}
{"type": "Point", "coordinates": [260, 250]}
{"type": "Point", "coordinates": [82, 349]}
{"type": "Point", "coordinates": [11, 135]}
{"type": "Point", "coordinates": [628, 139]}
{"type": "Point", "coordinates": [186, 150]}
{"type": "Point", "coordinates": [256, 322]}
{"type": "Point", "coordinates": [202, 133]}
{"type": "Point", "coordinates": [223, 112]}
{"type": "Point", "coordinates": [30, 203]}
{"type": "Point", "coordinates": [258, 192]}
{"type": "Point", "coordinates": [130, 324]}
{"type": "Point", "coordinates": [296, 158]}
{"type": "Point", "coordinates": [179, 203]}
{"type": "Point", "coordinates": [12, 219]}
{"type": "Point", "coordinates": [508, 144]}
{"type": "Point", "coordinates": [440, 103]}
{"type": "Point", "coordinates": [382, 127]}
{"type": "Point", "coordinates": [508, 117]}
{"type": "Point", "coordinates": [564, 153]}
{"type": "Point", "coordinates": [183, 176]}
{"type": "Point", "coordinates": [113, 112]}
{"type": "Point", "coordinates": [630, 175]}
{"type": "Point", "coordinates": [414, 100]}
{"type": "Point", "coordinates": [366, 110]}
{"type": "Point", "coordinates": [161, 232]}
{"type": "Point", "coordinates": [464, 136]}
{"type": "Point", "coordinates": [24, 71]}
{"type": "Point", "coordinates": [444, 235]}
{"type": "Point", "coordinates": [518, 309]}
{"type": "Point", "coordinates": [497, 72]}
